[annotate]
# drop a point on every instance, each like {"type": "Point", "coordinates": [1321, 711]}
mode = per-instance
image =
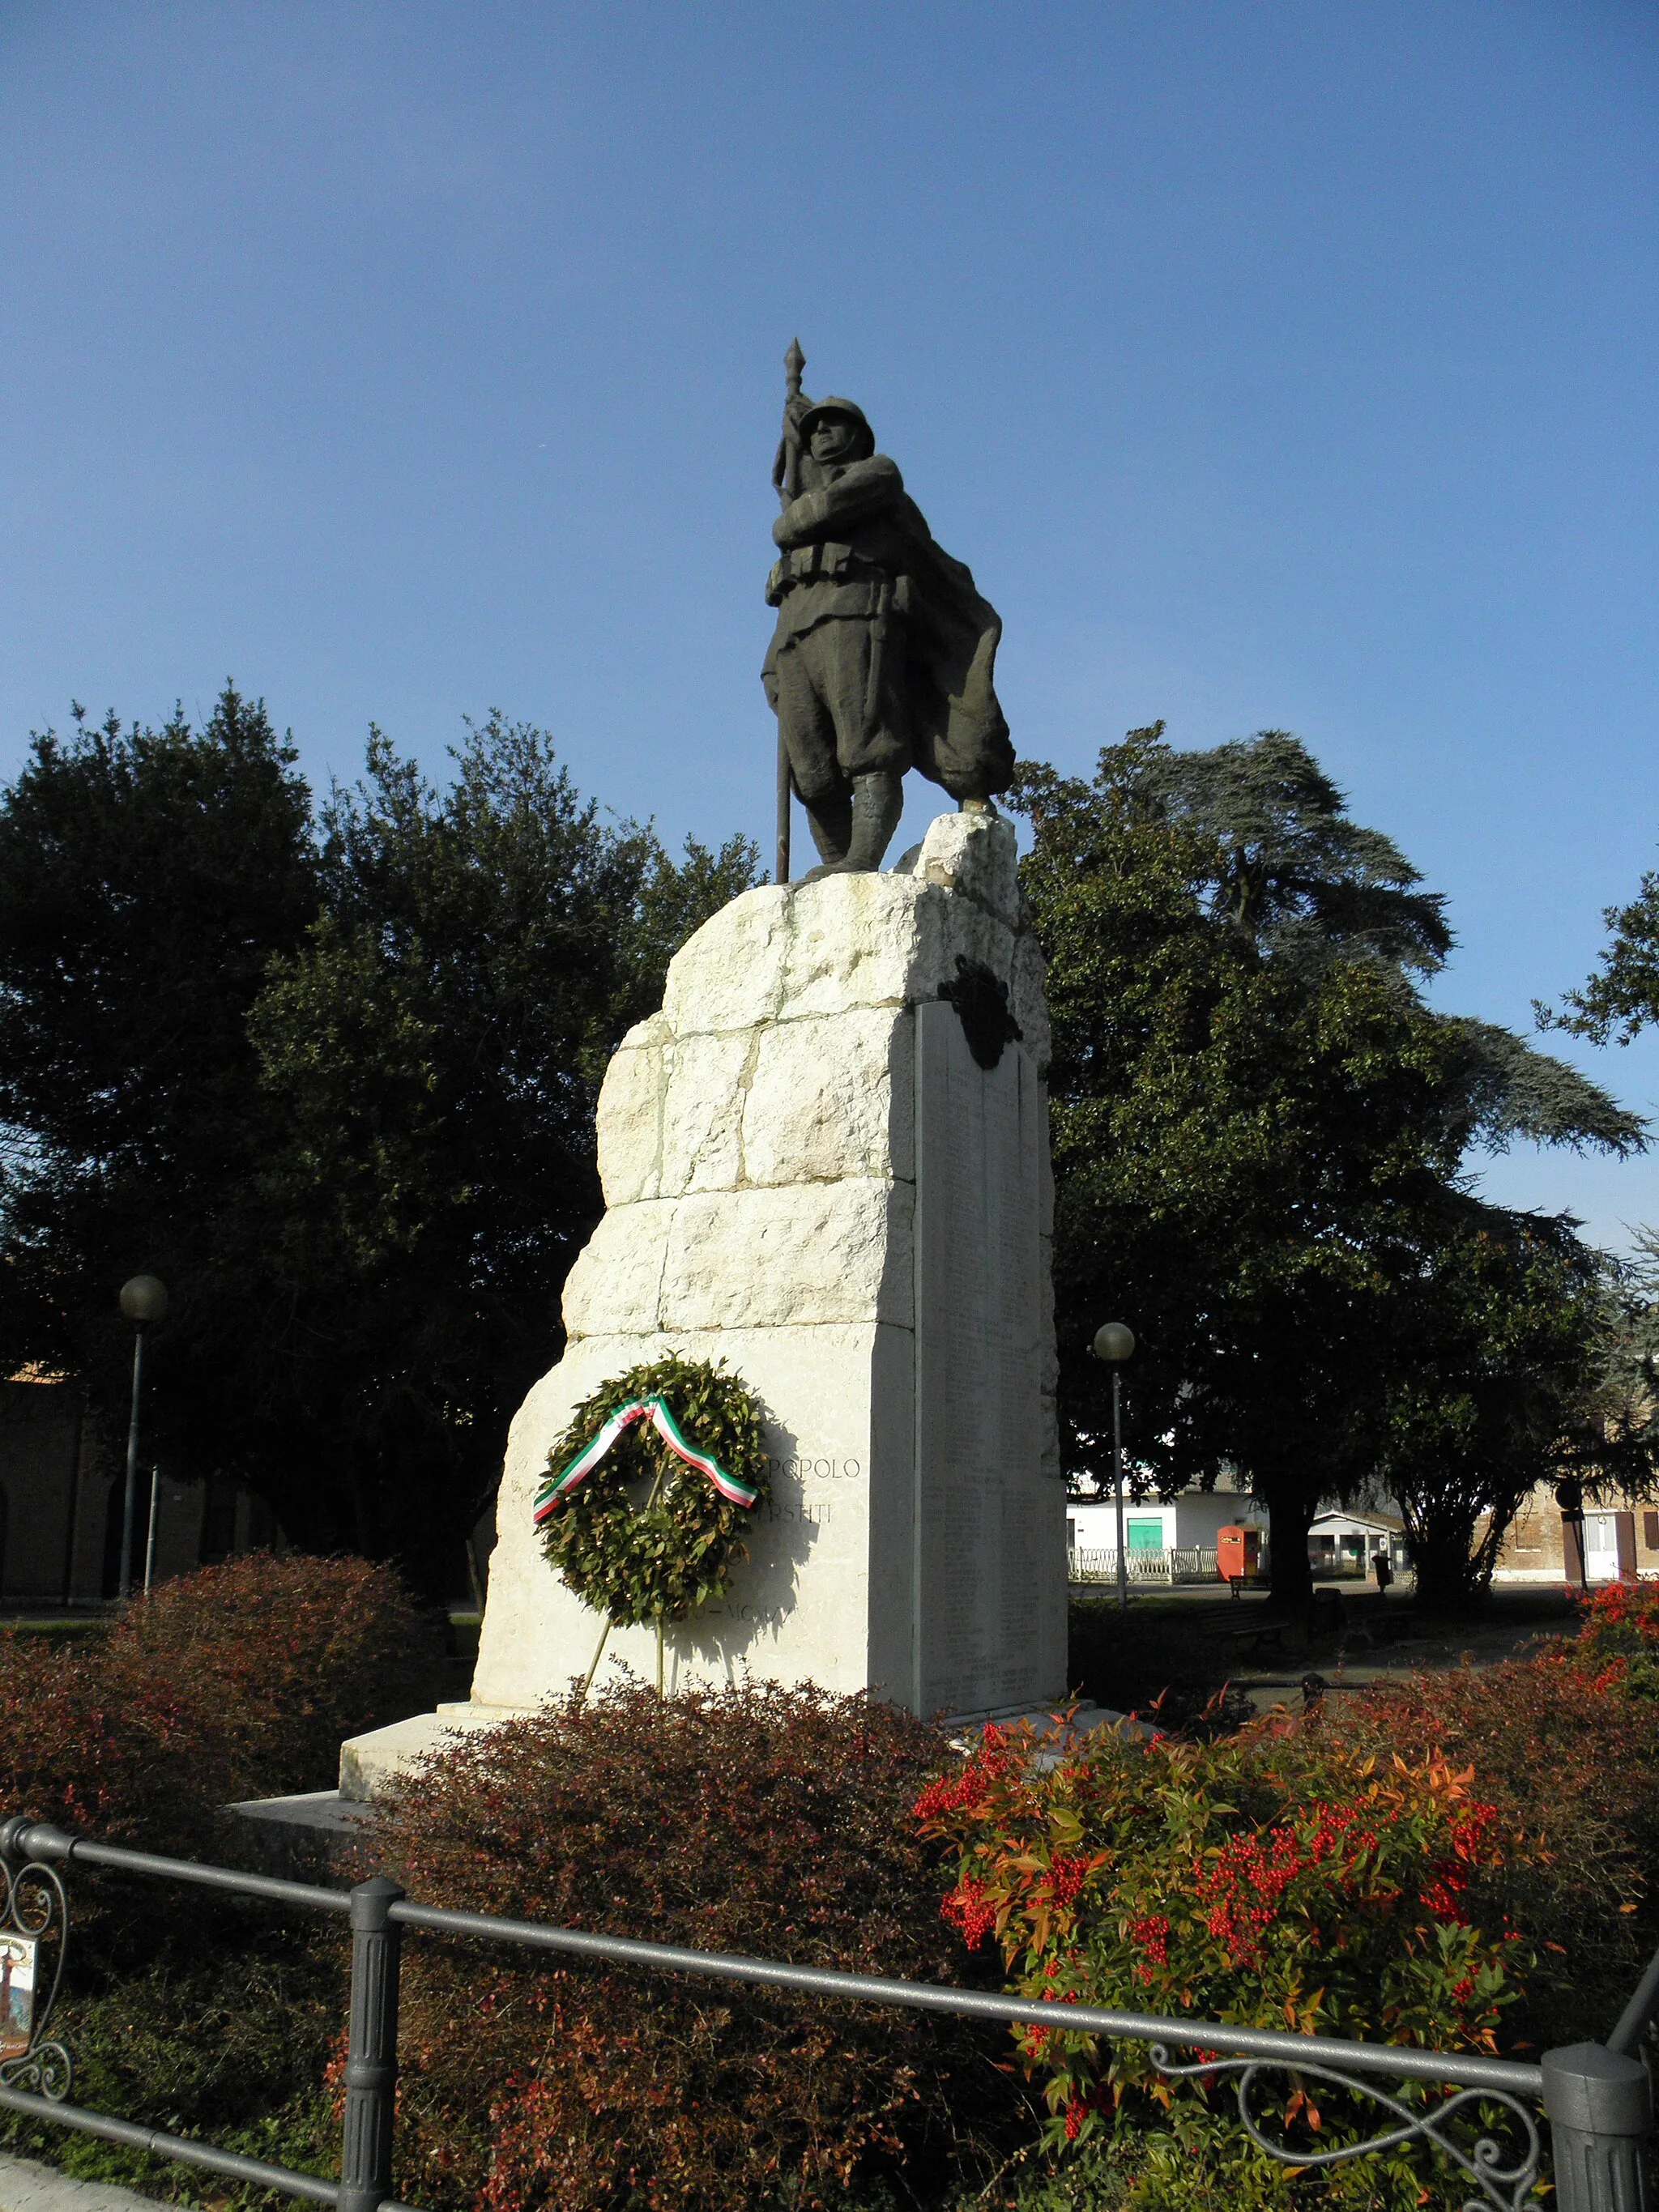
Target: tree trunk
{"type": "Point", "coordinates": [1449, 1579]}
{"type": "Point", "coordinates": [1290, 1516]}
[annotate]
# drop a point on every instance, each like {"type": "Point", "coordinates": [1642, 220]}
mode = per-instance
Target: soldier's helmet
{"type": "Point", "coordinates": [863, 443]}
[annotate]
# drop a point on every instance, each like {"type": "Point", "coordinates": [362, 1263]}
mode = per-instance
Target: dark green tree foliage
{"type": "Point", "coordinates": [1258, 1125]}
{"type": "Point", "coordinates": [1623, 999]}
{"type": "Point", "coordinates": [146, 879]}
{"type": "Point", "coordinates": [433, 1057]}
{"type": "Point", "coordinates": [338, 1090]}
{"type": "Point", "coordinates": [1285, 865]}
{"type": "Point", "coordinates": [1502, 1372]}
{"type": "Point", "coordinates": [1310, 888]}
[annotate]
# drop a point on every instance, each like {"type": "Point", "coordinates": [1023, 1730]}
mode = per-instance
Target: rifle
{"type": "Point", "coordinates": [786, 475]}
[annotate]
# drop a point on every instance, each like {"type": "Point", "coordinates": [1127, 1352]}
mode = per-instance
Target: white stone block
{"type": "Point", "coordinates": [837, 1400]}
{"type": "Point", "coordinates": [630, 1120]}
{"type": "Point", "coordinates": [976, 856]}
{"type": "Point", "coordinates": [367, 1762]}
{"type": "Point", "coordinates": [616, 1281]}
{"type": "Point", "coordinates": [793, 1257]}
{"type": "Point", "coordinates": [828, 1098]}
{"type": "Point", "coordinates": [730, 975]}
{"type": "Point", "coordinates": [857, 941]}
{"type": "Point", "coordinates": [706, 1081]}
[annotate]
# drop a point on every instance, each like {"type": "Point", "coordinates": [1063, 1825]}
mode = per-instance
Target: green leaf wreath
{"type": "Point", "coordinates": [660, 1560]}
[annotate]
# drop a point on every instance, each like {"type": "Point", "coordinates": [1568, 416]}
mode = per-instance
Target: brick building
{"type": "Point", "coordinates": [1621, 1541]}
{"type": "Point", "coordinates": [62, 1496]}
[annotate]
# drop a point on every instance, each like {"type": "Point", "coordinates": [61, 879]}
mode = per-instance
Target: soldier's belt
{"type": "Point", "coordinates": [826, 563]}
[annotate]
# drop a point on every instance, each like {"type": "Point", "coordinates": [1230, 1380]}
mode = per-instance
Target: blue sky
{"type": "Point", "coordinates": [1270, 364]}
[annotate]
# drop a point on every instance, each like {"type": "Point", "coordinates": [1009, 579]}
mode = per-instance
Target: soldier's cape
{"type": "Point", "coordinates": [956, 724]}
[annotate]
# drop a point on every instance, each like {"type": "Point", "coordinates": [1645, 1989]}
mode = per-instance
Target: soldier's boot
{"type": "Point", "coordinates": [878, 802]}
{"type": "Point", "coordinates": [830, 821]}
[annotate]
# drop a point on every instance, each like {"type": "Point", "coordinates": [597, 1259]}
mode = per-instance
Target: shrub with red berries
{"type": "Point", "coordinates": [1563, 1744]}
{"type": "Point", "coordinates": [1276, 1879]}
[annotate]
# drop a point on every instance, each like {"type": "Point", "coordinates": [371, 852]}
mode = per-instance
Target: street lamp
{"type": "Point", "coordinates": [144, 1302]}
{"type": "Point", "coordinates": [1115, 1342]}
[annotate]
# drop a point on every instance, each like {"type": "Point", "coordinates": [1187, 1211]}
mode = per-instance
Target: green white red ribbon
{"type": "Point", "coordinates": [654, 1410]}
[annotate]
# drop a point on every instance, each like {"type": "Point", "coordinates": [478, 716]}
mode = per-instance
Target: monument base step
{"type": "Point", "coordinates": [319, 1836]}
{"type": "Point", "coordinates": [1059, 1728]}
{"type": "Point", "coordinates": [368, 1762]}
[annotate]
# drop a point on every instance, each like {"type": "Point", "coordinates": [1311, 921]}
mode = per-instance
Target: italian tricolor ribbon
{"type": "Point", "coordinates": [655, 1411]}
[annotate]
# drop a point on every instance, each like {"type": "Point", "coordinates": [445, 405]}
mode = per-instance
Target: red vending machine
{"type": "Point", "coordinates": [1238, 1554]}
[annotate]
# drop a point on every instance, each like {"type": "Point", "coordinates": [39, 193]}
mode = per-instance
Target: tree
{"type": "Point", "coordinates": [146, 879]}
{"type": "Point", "coordinates": [1521, 1330]}
{"type": "Point", "coordinates": [1623, 999]}
{"type": "Point", "coordinates": [432, 1058]}
{"type": "Point", "coordinates": [334, 1082]}
{"type": "Point", "coordinates": [1259, 1125]}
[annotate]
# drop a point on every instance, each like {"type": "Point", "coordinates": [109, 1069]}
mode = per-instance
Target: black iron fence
{"type": "Point", "coordinates": [1595, 2097]}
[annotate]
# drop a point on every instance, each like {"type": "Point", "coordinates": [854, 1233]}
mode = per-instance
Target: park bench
{"type": "Point", "coordinates": [1238, 1584]}
{"type": "Point", "coordinates": [1263, 1636]}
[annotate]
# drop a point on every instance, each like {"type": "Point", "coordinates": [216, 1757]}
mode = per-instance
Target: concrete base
{"type": "Point", "coordinates": [368, 1762]}
{"type": "Point", "coordinates": [1057, 1734]}
{"type": "Point", "coordinates": [319, 1836]}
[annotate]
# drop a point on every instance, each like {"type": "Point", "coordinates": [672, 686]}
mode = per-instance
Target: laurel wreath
{"type": "Point", "coordinates": [660, 1558]}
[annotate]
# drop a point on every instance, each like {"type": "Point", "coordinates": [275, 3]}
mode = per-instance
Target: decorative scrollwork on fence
{"type": "Point", "coordinates": [1505, 2186]}
{"type": "Point", "coordinates": [34, 1907]}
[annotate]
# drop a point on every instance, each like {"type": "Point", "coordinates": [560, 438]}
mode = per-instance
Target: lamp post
{"type": "Point", "coordinates": [143, 1301]}
{"type": "Point", "coordinates": [1115, 1342]}
{"type": "Point", "coordinates": [1570, 1497]}
{"type": "Point", "coordinates": [155, 1515]}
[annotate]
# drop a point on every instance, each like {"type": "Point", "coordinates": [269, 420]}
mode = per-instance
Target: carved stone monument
{"type": "Point", "coordinates": [825, 1161]}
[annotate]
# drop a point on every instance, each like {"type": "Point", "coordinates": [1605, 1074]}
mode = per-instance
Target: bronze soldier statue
{"type": "Point", "coordinates": [884, 654]}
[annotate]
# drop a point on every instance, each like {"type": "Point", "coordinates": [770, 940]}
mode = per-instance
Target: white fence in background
{"type": "Point", "coordinates": [1186, 1565]}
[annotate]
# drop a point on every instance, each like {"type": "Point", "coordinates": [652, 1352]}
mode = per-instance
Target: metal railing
{"type": "Point", "coordinates": [1184, 1564]}
{"type": "Point", "coordinates": [1595, 2096]}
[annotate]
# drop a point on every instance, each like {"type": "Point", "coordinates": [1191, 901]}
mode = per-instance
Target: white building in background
{"type": "Point", "coordinates": [1186, 1523]}
{"type": "Point", "coordinates": [1343, 1542]}
{"type": "Point", "coordinates": [1177, 1540]}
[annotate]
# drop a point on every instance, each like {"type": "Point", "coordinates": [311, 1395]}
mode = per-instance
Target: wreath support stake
{"type": "Point", "coordinates": [605, 1630]}
{"type": "Point", "coordinates": [598, 1654]}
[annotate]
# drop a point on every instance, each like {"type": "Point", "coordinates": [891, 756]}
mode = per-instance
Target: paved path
{"type": "Point", "coordinates": [25, 2185]}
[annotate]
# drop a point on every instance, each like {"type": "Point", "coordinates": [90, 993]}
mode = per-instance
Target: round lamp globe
{"type": "Point", "coordinates": [144, 1299]}
{"type": "Point", "coordinates": [1115, 1341]}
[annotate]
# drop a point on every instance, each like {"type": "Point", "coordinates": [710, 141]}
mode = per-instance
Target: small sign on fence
{"type": "Point", "coordinates": [16, 1994]}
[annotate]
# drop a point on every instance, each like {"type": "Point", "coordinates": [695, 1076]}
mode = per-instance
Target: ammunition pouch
{"type": "Point", "coordinates": [822, 562]}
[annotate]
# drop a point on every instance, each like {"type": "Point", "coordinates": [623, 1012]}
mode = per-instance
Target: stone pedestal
{"type": "Point", "coordinates": [809, 1174]}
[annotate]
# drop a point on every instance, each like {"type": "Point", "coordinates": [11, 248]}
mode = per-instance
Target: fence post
{"type": "Point", "coordinates": [1600, 2111]}
{"type": "Point", "coordinates": [371, 2074]}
